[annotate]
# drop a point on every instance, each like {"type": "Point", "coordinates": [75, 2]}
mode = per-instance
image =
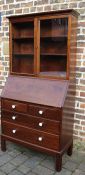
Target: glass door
{"type": "Point", "coordinates": [23, 47]}
{"type": "Point", "coordinates": [53, 47]}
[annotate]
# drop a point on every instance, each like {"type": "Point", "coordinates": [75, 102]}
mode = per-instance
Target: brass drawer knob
{"type": "Point", "coordinates": [14, 131]}
{"type": "Point", "coordinates": [41, 124]}
{"type": "Point", "coordinates": [40, 112]}
{"type": "Point", "coordinates": [40, 139]}
{"type": "Point", "coordinates": [13, 106]}
{"type": "Point", "coordinates": [13, 117]}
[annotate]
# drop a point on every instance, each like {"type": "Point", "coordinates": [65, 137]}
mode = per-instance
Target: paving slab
{"type": "Point", "coordinates": [40, 170]}
{"type": "Point", "coordinates": [22, 161]}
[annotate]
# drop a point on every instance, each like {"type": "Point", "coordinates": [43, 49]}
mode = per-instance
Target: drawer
{"type": "Point", "coordinates": [32, 122]}
{"type": "Point", "coordinates": [14, 106]}
{"type": "Point", "coordinates": [40, 111]}
{"type": "Point", "coordinates": [31, 136]}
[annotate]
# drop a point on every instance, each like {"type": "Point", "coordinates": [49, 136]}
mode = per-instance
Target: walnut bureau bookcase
{"type": "Point", "coordinates": [41, 48]}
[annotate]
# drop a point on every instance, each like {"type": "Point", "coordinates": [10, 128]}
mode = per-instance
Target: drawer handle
{"type": "Point", "coordinates": [13, 117]}
{"type": "Point", "coordinates": [41, 124]}
{"type": "Point", "coordinates": [40, 139]}
{"type": "Point", "coordinates": [13, 106]}
{"type": "Point", "coordinates": [40, 112]}
{"type": "Point", "coordinates": [14, 131]}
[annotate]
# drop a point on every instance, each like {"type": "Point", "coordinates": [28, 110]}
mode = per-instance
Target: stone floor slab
{"type": "Point", "coordinates": [24, 169]}
{"type": "Point", "coordinates": [40, 170]}
{"type": "Point", "coordinates": [19, 160]}
{"type": "Point", "coordinates": [15, 172]}
{"type": "Point", "coordinates": [71, 166]}
{"type": "Point", "coordinates": [63, 172]}
{"type": "Point", "coordinates": [7, 168]}
{"type": "Point", "coordinates": [82, 166]}
{"type": "Point", "coordinates": [78, 172]}
{"type": "Point", "coordinates": [22, 161]}
{"type": "Point", "coordinates": [4, 159]}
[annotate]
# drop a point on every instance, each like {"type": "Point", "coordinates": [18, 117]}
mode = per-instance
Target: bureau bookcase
{"type": "Point", "coordinates": [41, 46]}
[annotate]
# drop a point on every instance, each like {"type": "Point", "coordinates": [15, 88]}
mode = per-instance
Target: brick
{"type": "Point", "coordinates": [19, 0]}
{"type": "Point", "coordinates": [82, 133]}
{"type": "Point", "coordinates": [1, 2]}
{"type": "Point", "coordinates": [10, 12]}
{"type": "Point", "coordinates": [55, 7]}
{"type": "Point", "coordinates": [80, 50]}
{"type": "Point", "coordinates": [81, 11]}
{"type": "Point", "coordinates": [84, 75]}
{"type": "Point", "coordinates": [5, 7]}
{"type": "Point", "coordinates": [40, 9]}
{"type": "Point", "coordinates": [81, 44]}
{"type": "Point", "coordinates": [29, 4]}
{"type": "Point", "coordinates": [6, 68]}
{"type": "Point", "coordinates": [54, 1]}
{"type": "Point", "coordinates": [40, 2]}
{"type": "Point", "coordinates": [82, 24]}
{"type": "Point", "coordinates": [32, 9]}
{"type": "Point", "coordinates": [82, 105]}
{"type": "Point", "coordinates": [82, 122]}
{"type": "Point", "coordinates": [77, 127]}
{"type": "Point", "coordinates": [84, 63]}
{"type": "Point", "coordinates": [11, 6]}
{"type": "Point", "coordinates": [83, 128]}
{"type": "Point", "coordinates": [81, 5]}
{"type": "Point", "coordinates": [64, 6]}
{"type": "Point", "coordinates": [80, 69]}
{"type": "Point", "coordinates": [57, 1]}
{"type": "Point", "coordinates": [47, 8]}
{"type": "Point", "coordinates": [1, 68]}
{"type": "Point", "coordinates": [73, 5]}
{"type": "Point", "coordinates": [78, 63]}
{"type": "Point", "coordinates": [9, 1]}
{"type": "Point", "coordinates": [82, 82]}
{"type": "Point", "coordinates": [6, 48]}
{"type": "Point", "coordinates": [5, 28]}
{"type": "Point", "coordinates": [76, 121]}
{"type": "Point", "coordinates": [80, 87]}
{"type": "Point", "coordinates": [75, 132]}
{"type": "Point", "coordinates": [18, 11]}
{"type": "Point", "coordinates": [81, 37]}
{"type": "Point", "coordinates": [82, 94]}
{"type": "Point", "coordinates": [25, 10]}
{"type": "Point", "coordinates": [83, 31]}
{"type": "Point", "coordinates": [82, 17]}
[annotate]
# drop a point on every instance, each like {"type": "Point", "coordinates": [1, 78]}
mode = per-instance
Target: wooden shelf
{"type": "Point", "coordinates": [23, 38]}
{"type": "Point", "coordinates": [62, 36]}
{"type": "Point", "coordinates": [54, 73]}
{"type": "Point", "coordinates": [25, 54]}
{"type": "Point", "coordinates": [53, 54]}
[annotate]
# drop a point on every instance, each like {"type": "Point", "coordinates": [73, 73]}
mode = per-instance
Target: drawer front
{"type": "Point", "coordinates": [14, 106]}
{"type": "Point", "coordinates": [53, 114]}
{"type": "Point", "coordinates": [32, 122]}
{"type": "Point", "coordinates": [31, 136]}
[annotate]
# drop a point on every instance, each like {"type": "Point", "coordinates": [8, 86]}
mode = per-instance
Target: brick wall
{"type": "Point", "coordinates": [11, 7]}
